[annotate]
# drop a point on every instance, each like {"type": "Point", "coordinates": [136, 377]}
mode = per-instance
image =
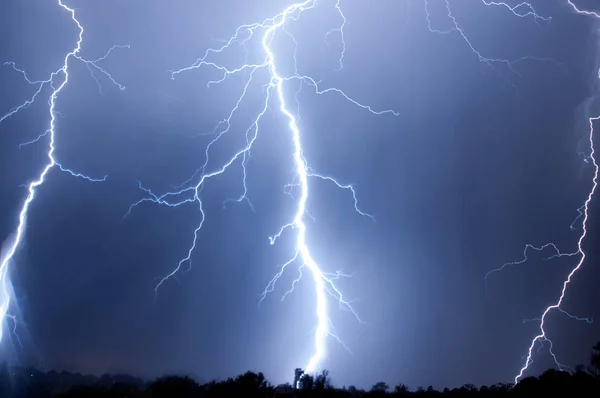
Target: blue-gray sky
{"type": "Point", "coordinates": [479, 162]}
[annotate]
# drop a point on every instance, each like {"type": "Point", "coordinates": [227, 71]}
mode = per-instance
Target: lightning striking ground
{"type": "Point", "coordinates": [275, 87]}
{"type": "Point", "coordinates": [583, 214]}
{"type": "Point", "coordinates": [56, 82]}
{"type": "Point", "coordinates": [526, 10]}
{"type": "Point", "coordinates": [542, 336]}
{"type": "Point", "coordinates": [189, 191]}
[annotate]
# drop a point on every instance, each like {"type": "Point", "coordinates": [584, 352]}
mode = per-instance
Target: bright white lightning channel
{"type": "Point", "coordinates": [56, 83]}
{"type": "Point", "coordinates": [189, 192]}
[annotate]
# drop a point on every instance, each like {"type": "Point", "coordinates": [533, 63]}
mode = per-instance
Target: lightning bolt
{"type": "Point", "coordinates": [574, 317]}
{"type": "Point", "coordinates": [189, 192]}
{"type": "Point", "coordinates": [274, 92]}
{"type": "Point", "coordinates": [542, 337]}
{"type": "Point", "coordinates": [556, 254]}
{"type": "Point", "coordinates": [56, 82]}
{"type": "Point", "coordinates": [526, 10]}
{"type": "Point", "coordinates": [582, 213]}
{"type": "Point", "coordinates": [521, 10]}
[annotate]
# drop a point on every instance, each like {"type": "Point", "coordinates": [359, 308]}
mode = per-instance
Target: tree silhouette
{"type": "Point", "coordinates": [307, 382]}
{"type": "Point", "coordinates": [380, 387]}
{"type": "Point", "coordinates": [25, 382]}
{"type": "Point", "coordinates": [174, 386]}
{"type": "Point", "coordinates": [252, 381]}
{"type": "Point", "coordinates": [322, 380]}
{"type": "Point", "coordinates": [401, 389]}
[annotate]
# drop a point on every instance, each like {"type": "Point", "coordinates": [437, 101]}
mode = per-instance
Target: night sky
{"type": "Point", "coordinates": [481, 160]}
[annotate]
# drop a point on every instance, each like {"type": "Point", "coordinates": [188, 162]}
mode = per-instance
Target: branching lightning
{"type": "Point", "coordinates": [521, 10]}
{"type": "Point", "coordinates": [189, 191]}
{"type": "Point", "coordinates": [556, 254]}
{"type": "Point", "coordinates": [274, 97]}
{"type": "Point", "coordinates": [56, 82]}
{"type": "Point", "coordinates": [542, 337]}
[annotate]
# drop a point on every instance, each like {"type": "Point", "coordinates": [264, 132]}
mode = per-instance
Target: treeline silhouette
{"type": "Point", "coordinates": [19, 382]}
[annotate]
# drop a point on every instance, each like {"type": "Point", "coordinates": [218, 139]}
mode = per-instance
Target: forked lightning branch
{"type": "Point", "coordinates": [279, 92]}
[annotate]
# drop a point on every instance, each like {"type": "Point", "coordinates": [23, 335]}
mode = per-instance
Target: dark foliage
{"type": "Point", "coordinates": [30, 383]}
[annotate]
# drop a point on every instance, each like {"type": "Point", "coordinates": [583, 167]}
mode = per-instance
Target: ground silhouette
{"type": "Point", "coordinates": [20, 382]}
